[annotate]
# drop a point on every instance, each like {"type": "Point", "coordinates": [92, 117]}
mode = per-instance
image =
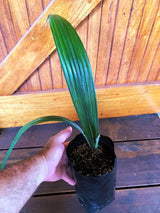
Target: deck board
{"type": "Point", "coordinates": [137, 146]}
{"type": "Point", "coordinates": [138, 164]}
{"type": "Point", "coordinates": [142, 127]}
{"type": "Point", "coordinates": [127, 201]}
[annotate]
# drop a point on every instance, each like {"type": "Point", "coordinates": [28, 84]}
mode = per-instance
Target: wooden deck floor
{"type": "Point", "coordinates": [137, 146]}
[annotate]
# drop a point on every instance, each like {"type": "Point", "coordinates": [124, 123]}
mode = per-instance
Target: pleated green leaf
{"type": "Point", "coordinates": [78, 74]}
{"type": "Point", "coordinates": [32, 123]}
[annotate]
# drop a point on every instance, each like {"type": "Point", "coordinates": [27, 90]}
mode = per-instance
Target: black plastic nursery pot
{"type": "Point", "coordinates": [94, 192]}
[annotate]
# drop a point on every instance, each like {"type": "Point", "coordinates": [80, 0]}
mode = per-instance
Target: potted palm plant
{"type": "Point", "coordinates": [91, 156]}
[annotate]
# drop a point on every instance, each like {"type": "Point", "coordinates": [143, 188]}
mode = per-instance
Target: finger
{"type": "Point", "coordinates": [63, 135]}
{"type": "Point", "coordinates": [68, 179]}
{"type": "Point", "coordinates": [66, 143]}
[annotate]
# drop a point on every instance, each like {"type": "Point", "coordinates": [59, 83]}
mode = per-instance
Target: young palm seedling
{"type": "Point", "coordinates": [78, 75]}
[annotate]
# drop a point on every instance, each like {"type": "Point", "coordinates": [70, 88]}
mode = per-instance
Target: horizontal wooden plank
{"type": "Point", "coordinates": [138, 164]}
{"type": "Point", "coordinates": [142, 127]}
{"type": "Point", "coordinates": [36, 136]}
{"type": "Point", "coordinates": [127, 201]}
{"type": "Point", "coordinates": [112, 102]}
{"type": "Point", "coordinates": [38, 43]}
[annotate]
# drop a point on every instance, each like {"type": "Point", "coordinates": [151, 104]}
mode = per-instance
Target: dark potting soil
{"type": "Point", "coordinates": [87, 162]}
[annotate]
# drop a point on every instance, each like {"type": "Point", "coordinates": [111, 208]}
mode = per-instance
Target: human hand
{"type": "Point", "coordinates": [55, 158]}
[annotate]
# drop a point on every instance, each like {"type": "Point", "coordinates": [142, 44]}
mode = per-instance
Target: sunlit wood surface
{"type": "Point", "coordinates": [37, 44]}
{"type": "Point", "coordinates": [122, 39]}
{"type": "Point", "coordinates": [17, 110]}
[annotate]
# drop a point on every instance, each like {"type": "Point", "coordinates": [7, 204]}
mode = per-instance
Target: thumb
{"type": "Point", "coordinates": [63, 135]}
{"type": "Point", "coordinates": [68, 179]}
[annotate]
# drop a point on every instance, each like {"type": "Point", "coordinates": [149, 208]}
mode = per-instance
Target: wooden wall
{"type": "Point", "coordinates": [122, 39]}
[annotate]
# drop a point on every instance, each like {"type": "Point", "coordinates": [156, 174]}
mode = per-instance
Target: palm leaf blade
{"type": "Point", "coordinates": [32, 123]}
{"type": "Point", "coordinates": [78, 74]}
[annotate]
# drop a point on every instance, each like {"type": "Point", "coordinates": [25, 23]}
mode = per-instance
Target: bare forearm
{"type": "Point", "coordinates": [19, 182]}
